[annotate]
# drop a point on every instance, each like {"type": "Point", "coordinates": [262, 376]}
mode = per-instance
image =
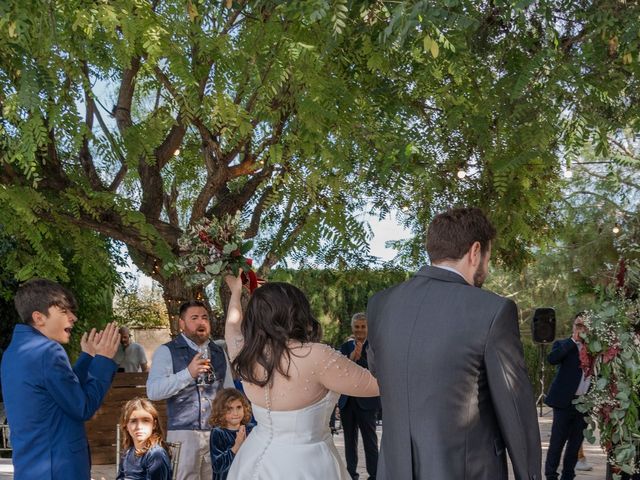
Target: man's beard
{"type": "Point", "coordinates": [480, 275]}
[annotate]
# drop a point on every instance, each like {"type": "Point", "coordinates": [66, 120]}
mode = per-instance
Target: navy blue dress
{"type": "Point", "coordinates": [220, 443]}
{"type": "Point", "coordinates": [153, 465]}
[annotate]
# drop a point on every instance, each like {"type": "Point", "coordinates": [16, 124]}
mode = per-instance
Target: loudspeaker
{"type": "Point", "coordinates": [543, 325]}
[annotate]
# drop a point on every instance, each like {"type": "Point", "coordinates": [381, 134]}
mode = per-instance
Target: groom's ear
{"type": "Point", "coordinates": [475, 254]}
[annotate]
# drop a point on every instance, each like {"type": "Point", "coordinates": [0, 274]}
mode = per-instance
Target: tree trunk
{"type": "Point", "coordinates": [175, 292]}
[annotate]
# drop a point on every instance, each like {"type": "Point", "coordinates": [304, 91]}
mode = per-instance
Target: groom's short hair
{"type": "Point", "coordinates": [451, 234]}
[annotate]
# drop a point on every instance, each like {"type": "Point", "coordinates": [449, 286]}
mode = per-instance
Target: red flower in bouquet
{"type": "Point", "coordinates": [611, 353]}
{"type": "Point", "coordinates": [212, 248]}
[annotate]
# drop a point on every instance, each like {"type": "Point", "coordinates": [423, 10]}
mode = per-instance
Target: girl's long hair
{"type": "Point", "coordinates": [276, 313]}
{"type": "Point", "coordinates": [221, 402]}
{"type": "Point", "coordinates": [157, 435]}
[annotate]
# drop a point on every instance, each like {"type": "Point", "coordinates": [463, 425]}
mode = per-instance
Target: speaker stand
{"type": "Point", "coordinates": [541, 397]}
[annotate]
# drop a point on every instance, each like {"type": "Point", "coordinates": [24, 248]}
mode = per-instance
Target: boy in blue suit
{"type": "Point", "coordinates": [47, 402]}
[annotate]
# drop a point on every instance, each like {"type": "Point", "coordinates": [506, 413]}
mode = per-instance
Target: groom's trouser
{"type": "Point", "coordinates": [195, 457]}
{"type": "Point", "coordinates": [353, 418]}
{"type": "Point", "coordinates": [567, 428]}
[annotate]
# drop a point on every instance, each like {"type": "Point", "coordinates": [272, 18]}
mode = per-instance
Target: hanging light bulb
{"type": "Point", "coordinates": [616, 229]}
{"type": "Point", "coordinates": [461, 174]}
{"type": "Point", "coordinates": [176, 152]}
{"type": "Point", "coordinates": [568, 173]}
{"type": "Point", "coordinates": [405, 208]}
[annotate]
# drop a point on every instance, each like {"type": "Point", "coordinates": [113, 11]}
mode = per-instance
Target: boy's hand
{"type": "Point", "coordinates": [107, 344]}
{"type": "Point", "coordinates": [88, 342]}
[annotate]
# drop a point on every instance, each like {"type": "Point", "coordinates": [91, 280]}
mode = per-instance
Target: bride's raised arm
{"type": "Point", "coordinates": [232, 327]}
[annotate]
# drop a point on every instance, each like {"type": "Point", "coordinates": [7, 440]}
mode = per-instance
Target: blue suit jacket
{"type": "Point", "coordinates": [365, 403]}
{"type": "Point", "coordinates": [47, 404]}
{"type": "Point", "coordinates": [564, 353]}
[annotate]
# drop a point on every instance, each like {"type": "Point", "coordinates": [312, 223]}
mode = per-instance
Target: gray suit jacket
{"type": "Point", "coordinates": [453, 382]}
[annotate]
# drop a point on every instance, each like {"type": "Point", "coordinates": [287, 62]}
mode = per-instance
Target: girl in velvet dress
{"type": "Point", "coordinates": [144, 454]}
{"type": "Point", "coordinates": [230, 416]}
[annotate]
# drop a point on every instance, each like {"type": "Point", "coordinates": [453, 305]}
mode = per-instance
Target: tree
{"type": "Point", "coordinates": [136, 119]}
{"type": "Point", "coordinates": [210, 109]}
{"type": "Point", "coordinates": [507, 92]}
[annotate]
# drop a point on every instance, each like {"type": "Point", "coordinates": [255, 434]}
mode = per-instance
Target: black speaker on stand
{"type": "Point", "coordinates": [543, 332]}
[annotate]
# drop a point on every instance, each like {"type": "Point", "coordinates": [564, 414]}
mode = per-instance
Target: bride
{"type": "Point", "coordinates": [293, 383]}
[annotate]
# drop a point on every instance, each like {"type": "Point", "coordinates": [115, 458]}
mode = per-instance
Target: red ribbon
{"type": "Point", "coordinates": [250, 277]}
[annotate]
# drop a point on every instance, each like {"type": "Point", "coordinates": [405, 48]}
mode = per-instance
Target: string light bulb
{"type": "Point", "coordinates": [176, 152]}
{"type": "Point", "coordinates": [461, 174]}
{"type": "Point", "coordinates": [616, 229]}
{"type": "Point", "coordinates": [568, 173]}
{"type": "Point", "coordinates": [405, 208]}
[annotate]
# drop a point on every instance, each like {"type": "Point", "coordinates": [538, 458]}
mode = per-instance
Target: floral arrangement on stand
{"type": "Point", "coordinates": [612, 359]}
{"type": "Point", "coordinates": [212, 248]}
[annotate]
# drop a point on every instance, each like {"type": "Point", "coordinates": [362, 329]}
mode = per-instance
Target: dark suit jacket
{"type": "Point", "coordinates": [365, 403]}
{"type": "Point", "coordinates": [563, 388]}
{"type": "Point", "coordinates": [453, 382]}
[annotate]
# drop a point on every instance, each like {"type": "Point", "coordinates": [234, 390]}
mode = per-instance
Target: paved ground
{"type": "Point", "coordinates": [593, 452]}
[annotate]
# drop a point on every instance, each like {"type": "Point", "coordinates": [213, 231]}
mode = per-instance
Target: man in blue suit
{"type": "Point", "coordinates": [359, 412]}
{"type": "Point", "coordinates": [47, 402]}
{"type": "Point", "coordinates": [568, 423]}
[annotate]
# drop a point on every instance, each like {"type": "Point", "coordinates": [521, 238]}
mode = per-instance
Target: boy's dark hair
{"type": "Point", "coordinates": [40, 294]}
{"type": "Point", "coordinates": [451, 234]}
{"type": "Point", "coordinates": [189, 304]}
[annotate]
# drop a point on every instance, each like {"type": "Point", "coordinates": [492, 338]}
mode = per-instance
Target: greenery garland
{"type": "Point", "coordinates": [612, 358]}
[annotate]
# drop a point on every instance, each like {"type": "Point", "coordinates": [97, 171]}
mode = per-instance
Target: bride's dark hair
{"type": "Point", "coordinates": [276, 313]}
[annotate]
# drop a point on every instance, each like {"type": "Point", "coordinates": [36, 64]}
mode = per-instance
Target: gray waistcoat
{"type": "Point", "coordinates": [190, 408]}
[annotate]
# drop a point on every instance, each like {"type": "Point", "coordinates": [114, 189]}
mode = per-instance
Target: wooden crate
{"type": "Point", "coordinates": [101, 429]}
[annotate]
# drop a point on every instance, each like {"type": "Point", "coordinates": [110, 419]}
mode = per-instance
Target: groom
{"type": "Point", "coordinates": [449, 361]}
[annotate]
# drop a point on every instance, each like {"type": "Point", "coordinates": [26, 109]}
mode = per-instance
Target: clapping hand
{"type": "Point", "coordinates": [357, 352]}
{"type": "Point", "coordinates": [88, 342]}
{"type": "Point", "coordinates": [106, 342]}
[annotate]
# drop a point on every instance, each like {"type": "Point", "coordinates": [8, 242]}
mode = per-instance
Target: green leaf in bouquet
{"type": "Point", "coordinates": [213, 268]}
{"type": "Point", "coordinates": [602, 383]}
{"type": "Point", "coordinates": [229, 247]}
{"type": "Point", "coordinates": [595, 346]}
{"type": "Point", "coordinates": [246, 246]}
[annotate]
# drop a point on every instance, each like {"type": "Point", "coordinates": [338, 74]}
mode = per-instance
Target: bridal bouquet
{"type": "Point", "coordinates": [612, 358]}
{"type": "Point", "coordinates": [210, 249]}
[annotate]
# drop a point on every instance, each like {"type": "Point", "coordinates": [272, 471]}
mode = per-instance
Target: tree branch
{"type": "Point", "coordinates": [230, 204]}
{"type": "Point", "coordinates": [256, 216]}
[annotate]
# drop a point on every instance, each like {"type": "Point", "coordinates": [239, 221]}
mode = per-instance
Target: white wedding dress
{"type": "Point", "coordinates": [295, 444]}
{"type": "Point", "coordinates": [292, 440]}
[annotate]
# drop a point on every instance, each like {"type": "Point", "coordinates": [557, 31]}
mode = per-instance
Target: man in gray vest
{"type": "Point", "coordinates": [188, 372]}
{"type": "Point", "coordinates": [450, 365]}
